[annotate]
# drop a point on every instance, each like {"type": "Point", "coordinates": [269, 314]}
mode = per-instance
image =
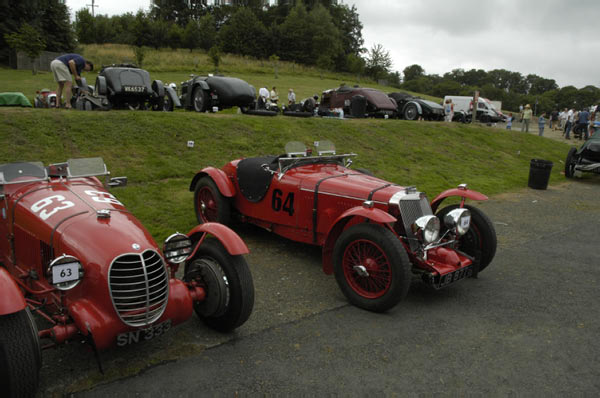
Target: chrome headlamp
{"type": "Point", "coordinates": [458, 220]}
{"type": "Point", "coordinates": [427, 229]}
{"type": "Point", "coordinates": [65, 272]}
{"type": "Point", "coordinates": [177, 248]}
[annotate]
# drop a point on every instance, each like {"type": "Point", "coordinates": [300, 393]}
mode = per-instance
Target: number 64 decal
{"type": "Point", "coordinates": [288, 203]}
{"type": "Point", "coordinates": [40, 205]}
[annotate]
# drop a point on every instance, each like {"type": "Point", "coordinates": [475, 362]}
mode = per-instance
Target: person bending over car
{"type": "Point", "coordinates": [65, 68]}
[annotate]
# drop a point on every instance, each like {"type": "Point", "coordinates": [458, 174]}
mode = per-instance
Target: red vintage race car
{"type": "Point", "coordinates": [71, 253]}
{"type": "Point", "coordinates": [375, 234]}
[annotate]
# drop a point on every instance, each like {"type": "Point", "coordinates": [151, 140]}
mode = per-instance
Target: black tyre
{"type": "Point", "coordinates": [371, 267]}
{"type": "Point", "coordinates": [480, 241]}
{"type": "Point", "coordinates": [365, 171]}
{"type": "Point", "coordinates": [163, 104]}
{"type": "Point", "coordinates": [411, 112]}
{"type": "Point", "coordinates": [570, 163]}
{"type": "Point", "coordinates": [20, 355]}
{"type": "Point", "coordinates": [210, 204]}
{"type": "Point", "coordinates": [228, 283]}
{"type": "Point", "coordinates": [484, 119]}
{"type": "Point", "coordinates": [199, 99]}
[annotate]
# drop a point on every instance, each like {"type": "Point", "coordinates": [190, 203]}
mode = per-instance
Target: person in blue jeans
{"type": "Point", "coordinates": [541, 124]}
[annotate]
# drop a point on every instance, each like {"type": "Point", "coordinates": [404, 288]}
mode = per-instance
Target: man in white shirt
{"type": "Point", "coordinates": [569, 124]}
{"type": "Point", "coordinates": [291, 97]}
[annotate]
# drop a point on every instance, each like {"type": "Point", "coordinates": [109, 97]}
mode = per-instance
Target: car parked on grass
{"type": "Point", "coordinates": [72, 255]}
{"type": "Point", "coordinates": [212, 93]}
{"type": "Point", "coordinates": [413, 108]}
{"type": "Point", "coordinates": [375, 235]}
{"type": "Point", "coordinates": [357, 102]}
{"type": "Point", "coordinates": [586, 159]}
{"type": "Point", "coordinates": [124, 86]}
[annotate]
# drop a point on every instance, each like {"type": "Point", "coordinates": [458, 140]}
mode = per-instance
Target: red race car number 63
{"type": "Point", "coordinates": [42, 204]}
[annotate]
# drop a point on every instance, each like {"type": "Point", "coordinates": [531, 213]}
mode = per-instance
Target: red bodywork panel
{"type": "Point", "coordinates": [49, 218]}
{"type": "Point", "coordinates": [12, 298]}
{"type": "Point", "coordinates": [462, 192]}
{"type": "Point", "coordinates": [230, 240]}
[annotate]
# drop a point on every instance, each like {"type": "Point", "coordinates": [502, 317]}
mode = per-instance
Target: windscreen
{"type": "Point", "coordinates": [86, 167]}
{"type": "Point", "coordinates": [22, 172]}
{"type": "Point", "coordinates": [325, 147]}
{"type": "Point", "coordinates": [295, 148]}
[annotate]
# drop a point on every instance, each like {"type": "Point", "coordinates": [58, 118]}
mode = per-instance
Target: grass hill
{"type": "Point", "coordinates": [151, 149]}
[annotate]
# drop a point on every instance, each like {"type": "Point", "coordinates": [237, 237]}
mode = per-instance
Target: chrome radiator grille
{"type": "Point", "coordinates": [139, 287]}
{"type": "Point", "coordinates": [413, 206]}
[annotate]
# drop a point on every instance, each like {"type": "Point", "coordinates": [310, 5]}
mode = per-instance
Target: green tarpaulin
{"type": "Point", "coordinates": [14, 99]}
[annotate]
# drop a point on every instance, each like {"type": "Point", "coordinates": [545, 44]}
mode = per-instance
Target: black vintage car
{"type": "Point", "coordinates": [125, 86]}
{"type": "Point", "coordinates": [413, 108]}
{"type": "Point", "coordinates": [585, 159]}
{"type": "Point", "coordinates": [211, 93]}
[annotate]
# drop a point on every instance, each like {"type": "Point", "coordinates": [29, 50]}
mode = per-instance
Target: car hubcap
{"type": "Point", "coordinates": [207, 205]}
{"type": "Point", "coordinates": [367, 269]}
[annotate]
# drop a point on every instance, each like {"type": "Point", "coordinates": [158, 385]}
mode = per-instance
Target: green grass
{"type": "Point", "coordinates": [151, 149]}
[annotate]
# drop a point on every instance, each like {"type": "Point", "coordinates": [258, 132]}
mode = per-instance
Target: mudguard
{"type": "Point", "coordinates": [219, 177]}
{"type": "Point", "coordinates": [419, 108]}
{"type": "Point", "coordinates": [202, 83]}
{"type": "Point", "coordinates": [101, 85]}
{"type": "Point", "coordinates": [159, 88]}
{"type": "Point", "coordinates": [173, 95]}
{"type": "Point", "coordinates": [461, 192]}
{"type": "Point", "coordinates": [230, 240]}
{"type": "Point", "coordinates": [12, 299]}
{"type": "Point", "coordinates": [376, 215]}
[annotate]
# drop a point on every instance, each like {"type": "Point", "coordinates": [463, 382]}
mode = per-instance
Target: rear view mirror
{"type": "Point", "coordinates": [118, 182]}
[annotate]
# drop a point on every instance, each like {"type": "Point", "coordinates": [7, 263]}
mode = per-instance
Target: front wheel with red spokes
{"type": "Point", "coordinates": [371, 267]}
{"type": "Point", "coordinates": [210, 204]}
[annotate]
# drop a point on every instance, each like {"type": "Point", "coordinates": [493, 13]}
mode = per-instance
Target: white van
{"type": "Point", "coordinates": [463, 107]}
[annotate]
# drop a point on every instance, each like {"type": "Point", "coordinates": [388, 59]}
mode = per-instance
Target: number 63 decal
{"type": "Point", "coordinates": [40, 205]}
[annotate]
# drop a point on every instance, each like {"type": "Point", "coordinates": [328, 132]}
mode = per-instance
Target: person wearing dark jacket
{"type": "Point", "coordinates": [65, 68]}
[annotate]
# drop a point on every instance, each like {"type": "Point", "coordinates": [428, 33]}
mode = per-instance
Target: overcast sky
{"type": "Point", "coordinates": [555, 39]}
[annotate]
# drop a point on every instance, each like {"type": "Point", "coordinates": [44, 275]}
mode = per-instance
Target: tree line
{"type": "Point", "coordinates": [512, 88]}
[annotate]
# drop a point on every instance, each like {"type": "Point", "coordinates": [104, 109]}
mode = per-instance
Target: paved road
{"type": "Point", "coordinates": [529, 325]}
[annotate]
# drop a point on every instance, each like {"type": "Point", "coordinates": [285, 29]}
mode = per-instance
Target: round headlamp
{"type": "Point", "coordinates": [177, 248]}
{"type": "Point", "coordinates": [427, 228]}
{"type": "Point", "coordinates": [65, 272]}
{"type": "Point", "coordinates": [458, 220]}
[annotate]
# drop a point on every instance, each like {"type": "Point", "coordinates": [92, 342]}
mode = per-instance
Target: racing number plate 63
{"type": "Point", "coordinates": [455, 276]}
{"type": "Point", "coordinates": [135, 336]}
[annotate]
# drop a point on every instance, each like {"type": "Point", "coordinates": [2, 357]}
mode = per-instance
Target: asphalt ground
{"type": "Point", "coordinates": [528, 325]}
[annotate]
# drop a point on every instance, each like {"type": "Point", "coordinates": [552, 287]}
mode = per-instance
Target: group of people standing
{"type": "Point", "coordinates": [580, 122]}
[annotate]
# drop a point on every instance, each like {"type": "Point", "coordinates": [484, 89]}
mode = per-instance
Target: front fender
{"type": "Point", "coordinates": [201, 83]}
{"type": "Point", "coordinates": [173, 95]}
{"type": "Point", "coordinates": [419, 108]}
{"type": "Point", "coordinates": [219, 177]}
{"type": "Point", "coordinates": [230, 240]}
{"type": "Point", "coordinates": [11, 299]}
{"type": "Point", "coordinates": [461, 192]}
{"type": "Point", "coordinates": [376, 215]}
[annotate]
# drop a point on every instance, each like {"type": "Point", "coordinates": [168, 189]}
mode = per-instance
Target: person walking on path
{"type": "Point", "coordinates": [526, 116]}
{"type": "Point", "coordinates": [553, 125]}
{"type": "Point", "coordinates": [569, 123]}
{"type": "Point", "coordinates": [509, 122]}
{"type": "Point", "coordinates": [65, 68]}
{"type": "Point", "coordinates": [541, 124]}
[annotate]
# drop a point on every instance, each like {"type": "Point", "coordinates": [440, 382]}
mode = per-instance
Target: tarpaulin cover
{"type": "Point", "coordinates": [14, 99]}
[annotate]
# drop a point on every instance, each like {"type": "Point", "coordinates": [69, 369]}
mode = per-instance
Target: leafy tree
{"type": "Point", "coordinates": [539, 85]}
{"type": "Point", "coordinates": [421, 84]}
{"type": "Point", "coordinates": [379, 62]}
{"type": "Point", "coordinates": [355, 65]}
{"type": "Point", "coordinates": [55, 26]}
{"type": "Point", "coordinates": [348, 23]}
{"type": "Point", "coordinates": [413, 72]}
{"type": "Point", "coordinates": [84, 26]}
{"type": "Point", "coordinates": [140, 54]}
{"type": "Point", "coordinates": [176, 11]}
{"type": "Point", "coordinates": [296, 34]}
{"type": "Point", "coordinates": [28, 40]}
{"type": "Point", "coordinates": [159, 31]}
{"type": "Point", "coordinates": [325, 40]}
{"type": "Point", "coordinates": [243, 34]}
{"type": "Point", "coordinates": [446, 87]}
{"type": "Point", "coordinates": [191, 35]}
{"type": "Point", "coordinates": [175, 36]}
{"type": "Point", "coordinates": [142, 30]}
{"type": "Point", "coordinates": [207, 32]}
{"type": "Point", "coordinates": [215, 56]}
